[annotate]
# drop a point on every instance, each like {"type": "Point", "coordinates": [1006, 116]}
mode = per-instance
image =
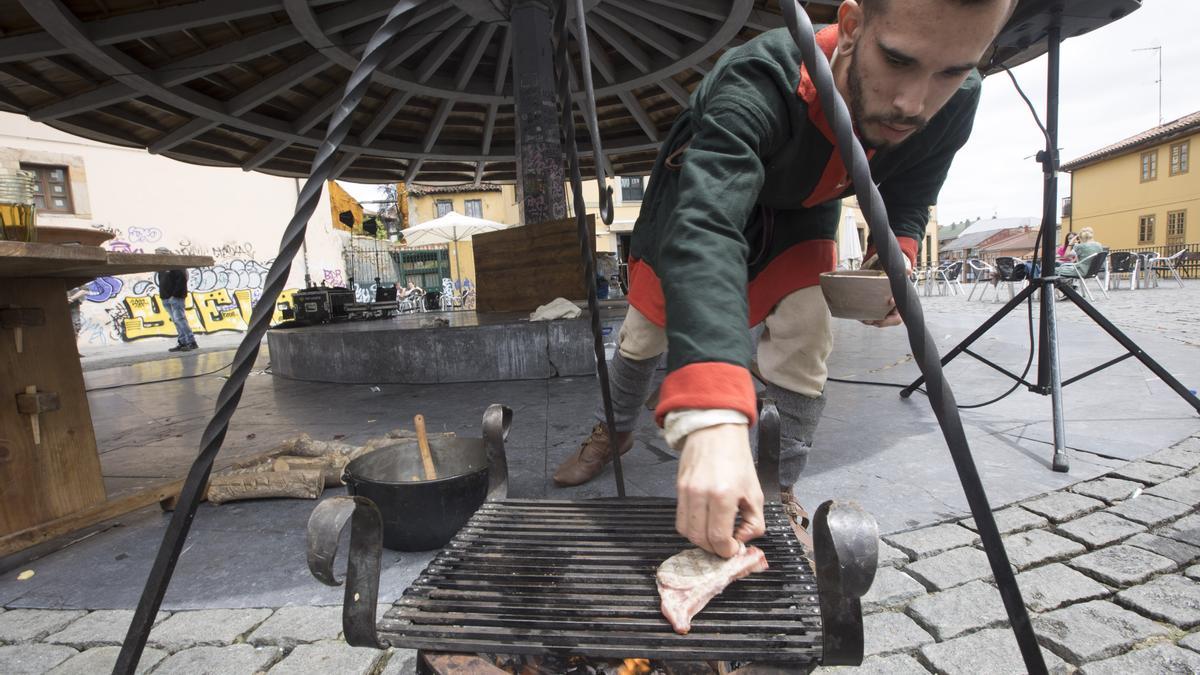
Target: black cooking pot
{"type": "Point", "coordinates": [419, 514]}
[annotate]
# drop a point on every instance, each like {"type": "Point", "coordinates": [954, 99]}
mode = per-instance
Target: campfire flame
{"type": "Point", "coordinates": [634, 667]}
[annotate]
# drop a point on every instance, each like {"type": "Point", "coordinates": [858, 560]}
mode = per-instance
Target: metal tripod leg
{"type": "Point", "coordinates": [1132, 347]}
{"type": "Point", "coordinates": [985, 327]}
{"type": "Point", "coordinates": [1061, 463]}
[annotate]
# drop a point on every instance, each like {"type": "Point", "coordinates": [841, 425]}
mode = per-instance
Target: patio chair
{"type": "Point", "coordinates": [982, 273]}
{"type": "Point", "coordinates": [1169, 264]}
{"type": "Point", "coordinates": [1088, 268]}
{"type": "Point", "coordinates": [948, 278]}
{"type": "Point", "coordinates": [1009, 270]}
{"type": "Point", "coordinates": [1144, 260]}
{"type": "Point", "coordinates": [1122, 262]}
{"type": "Point", "coordinates": [450, 298]}
{"type": "Point", "coordinates": [413, 302]}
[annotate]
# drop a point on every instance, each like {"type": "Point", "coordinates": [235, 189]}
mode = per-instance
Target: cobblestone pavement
{"type": "Point", "coordinates": [1107, 568]}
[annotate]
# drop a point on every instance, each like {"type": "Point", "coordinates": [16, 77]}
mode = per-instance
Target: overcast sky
{"type": "Point", "coordinates": [1108, 93]}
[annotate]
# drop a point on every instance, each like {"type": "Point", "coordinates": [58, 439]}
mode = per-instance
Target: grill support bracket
{"type": "Point", "coordinates": [603, 548]}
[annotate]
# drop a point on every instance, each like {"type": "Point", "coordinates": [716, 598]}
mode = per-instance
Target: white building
{"type": "Point", "coordinates": [149, 203]}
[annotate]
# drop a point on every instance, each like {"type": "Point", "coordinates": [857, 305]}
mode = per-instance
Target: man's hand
{"type": "Point", "coordinates": [716, 482]}
{"type": "Point", "coordinates": [892, 318]}
{"type": "Point", "coordinates": [893, 315]}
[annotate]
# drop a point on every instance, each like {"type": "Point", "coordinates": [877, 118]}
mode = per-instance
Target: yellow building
{"type": "Point", "coordinates": [1139, 192]}
{"type": "Point", "coordinates": [927, 255]}
{"type": "Point", "coordinates": [498, 203]}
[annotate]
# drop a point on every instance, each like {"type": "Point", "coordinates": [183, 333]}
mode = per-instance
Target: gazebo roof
{"type": "Point", "coordinates": [250, 83]}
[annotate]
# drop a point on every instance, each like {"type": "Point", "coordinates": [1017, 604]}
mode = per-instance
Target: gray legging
{"type": "Point", "coordinates": [630, 384]}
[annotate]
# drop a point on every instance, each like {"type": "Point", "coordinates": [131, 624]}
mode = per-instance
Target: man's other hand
{"type": "Point", "coordinates": [892, 318]}
{"type": "Point", "coordinates": [716, 482]}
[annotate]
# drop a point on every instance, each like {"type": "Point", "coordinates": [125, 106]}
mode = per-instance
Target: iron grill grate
{"type": "Point", "coordinates": [577, 578]}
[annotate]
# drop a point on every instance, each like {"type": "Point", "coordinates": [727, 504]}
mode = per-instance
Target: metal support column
{"type": "Point", "coordinates": [540, 178]}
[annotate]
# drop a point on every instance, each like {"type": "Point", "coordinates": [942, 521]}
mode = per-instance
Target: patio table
{"type": "Point", "coordinates": [49, 464]}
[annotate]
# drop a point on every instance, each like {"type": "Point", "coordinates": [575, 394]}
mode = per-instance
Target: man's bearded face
{"type": "Point", "coordinates": [879, 127]}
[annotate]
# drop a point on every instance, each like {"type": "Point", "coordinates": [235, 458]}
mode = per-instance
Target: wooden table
{"type": "Point", "coordinates": [50, 480]}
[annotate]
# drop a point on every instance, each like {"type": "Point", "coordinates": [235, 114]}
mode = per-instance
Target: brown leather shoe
{"type": "Point", "coordinates": [800, 522]}
{"type": "Point", "coordinates": [592, 456]}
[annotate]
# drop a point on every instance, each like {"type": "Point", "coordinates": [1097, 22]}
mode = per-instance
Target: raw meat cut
{"type": "Point", "coordinates": [688, 580]}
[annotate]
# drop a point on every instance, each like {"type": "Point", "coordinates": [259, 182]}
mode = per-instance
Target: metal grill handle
{"type": "Point", "coordinates": [325, 527]}
{"type": "Point", "coordinates": [846, 543]}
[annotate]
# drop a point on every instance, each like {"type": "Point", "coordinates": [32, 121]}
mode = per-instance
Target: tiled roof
{"type": "Point", "coordinates": [418, 189]}
{"type": "Point", "coordinates": [967, 242]}
{"type": "Point", "coordinates": [1147, 138]}
{"type": "Point", "coordinates": [1018, 240]}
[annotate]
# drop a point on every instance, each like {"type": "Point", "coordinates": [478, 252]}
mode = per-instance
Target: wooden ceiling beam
{"type": "Point", "coordinates": [622, 42]}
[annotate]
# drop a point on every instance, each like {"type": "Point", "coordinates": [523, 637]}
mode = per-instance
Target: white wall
{"type": "Point", "coordinates": [150, 202]}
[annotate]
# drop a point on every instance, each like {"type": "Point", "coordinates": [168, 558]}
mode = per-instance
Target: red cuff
{"type": "Point", "coordinates": [907, 244]}
{"type": "Point", "coordinates": [705, 386]}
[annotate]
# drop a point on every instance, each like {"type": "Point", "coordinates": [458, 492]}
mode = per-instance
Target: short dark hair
{"type": "Point", "coordinates": [873, 7]}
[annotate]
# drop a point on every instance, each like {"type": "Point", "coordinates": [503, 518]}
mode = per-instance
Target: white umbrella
{"type": "Point", "coordinates": [849, 248]}
{"type": "Point", "coordinates": [452, 227]}
{"type": "Point", "coordinates": [449, 229]}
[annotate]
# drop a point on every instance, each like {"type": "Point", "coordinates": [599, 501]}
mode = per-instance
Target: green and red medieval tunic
{"type": "Point", "coordinates": [742, 209]}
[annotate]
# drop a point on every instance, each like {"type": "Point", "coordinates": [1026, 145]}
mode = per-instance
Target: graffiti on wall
{"type": "Point", "coordinates": [220, 298]}
{"type": "Point", "coordinates": [333, 278]}
{"type": "Point", "coordinates": [207, 312]}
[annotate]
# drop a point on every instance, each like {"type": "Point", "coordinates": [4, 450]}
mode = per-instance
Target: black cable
{"type": "Point", "coordinates": [1037, 243]}
{"type": "Point", "coordinates": [923, 346]}
{"type": "Point", "coordinates": [970, 406]}
{"type": "Point", "coordinates": [260, 320]}
{"type": "Point", "coordinates": [1032, 110]}
{"type": "Point", "coordinates": [169, 379]}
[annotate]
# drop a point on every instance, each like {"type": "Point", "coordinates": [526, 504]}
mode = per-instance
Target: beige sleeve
{"type": "Point", "coordinates": [679, 423]}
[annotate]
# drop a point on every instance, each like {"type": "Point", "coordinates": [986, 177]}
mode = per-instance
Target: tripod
{"type": "Point", "coordinates": [1049, 378]}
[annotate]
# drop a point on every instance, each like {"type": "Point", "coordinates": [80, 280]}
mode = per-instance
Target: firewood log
{"type": "Point", "coordinates": [303, 484]}
{"type": "Point", "coordinates": [331, 466]}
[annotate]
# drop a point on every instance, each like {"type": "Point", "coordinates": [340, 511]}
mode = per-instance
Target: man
{"type": "Point", "coordinates": [739, 221]}
{"type": "Point", "coordinates": [172, 290]}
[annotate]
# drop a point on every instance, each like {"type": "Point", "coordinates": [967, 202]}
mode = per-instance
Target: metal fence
{"type": "Point", "coordinates": [1189, 269]}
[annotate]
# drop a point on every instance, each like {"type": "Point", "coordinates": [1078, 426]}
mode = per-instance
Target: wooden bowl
{"type": "Point", "coordinates": [857, 294]}
{"type": "Point", "coordinates": [81, 236]}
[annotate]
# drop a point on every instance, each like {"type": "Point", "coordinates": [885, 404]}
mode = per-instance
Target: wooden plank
{"type": "Point", "coordinates": [40, 482]}
{"type": "Point", "coordinates": [98, 513]}
{"type": "Point", "coordinates": [519, 268]}
{"type": "Point", "coordinates": [22, 259]}
{"type": "Point", "coordinates": [165, 494]}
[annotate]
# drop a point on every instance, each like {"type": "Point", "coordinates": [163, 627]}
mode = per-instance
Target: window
{"type": "Point", "coordinates": [443, 206]}
{"type": "Point", "coordinates": [631, 189]}
{"type": "Point", "coordinates": [1176, 227]}
{"type": "Point", "coordinates": [1146, 230]}
{"type": "Point", "coordinates": [51, 188]}
{"type": "Point", "coordinates": [1179, 158]}
{"type": "Point", "coordinates": [1149, 165]}
{"type": "Point", "coordinates": [474, 208]}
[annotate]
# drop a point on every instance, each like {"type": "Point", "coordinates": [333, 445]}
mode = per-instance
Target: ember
{"type": "Point", "coordinates": [576, 665]}
{"type": "Point", "coordinates": [634, 667]}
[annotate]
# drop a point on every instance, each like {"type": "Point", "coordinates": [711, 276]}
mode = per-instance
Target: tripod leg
{"type": "Point", "coordinates": [1061, 462]}
{"type": "Point", "coordinates": [1133, 348]}
{"type": "Point", "coordinates": [995, 318]}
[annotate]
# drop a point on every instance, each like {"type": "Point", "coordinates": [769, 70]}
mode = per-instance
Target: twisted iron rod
{"type": "Point", "coordinates": [924, 349]}
{"type": "Point", "coordinates": [247, 351]}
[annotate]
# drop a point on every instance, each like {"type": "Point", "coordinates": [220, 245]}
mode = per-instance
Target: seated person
{"type": "Point", "coordinates": [1064, 252]}
{"type": "Point", "coordinates": [406, 291]}
{"type": "Point", "coordinates": [1086, 246]}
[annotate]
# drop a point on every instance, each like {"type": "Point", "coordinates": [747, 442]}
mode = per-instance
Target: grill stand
{"type": "Point", "coordinates": [845, 537]}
